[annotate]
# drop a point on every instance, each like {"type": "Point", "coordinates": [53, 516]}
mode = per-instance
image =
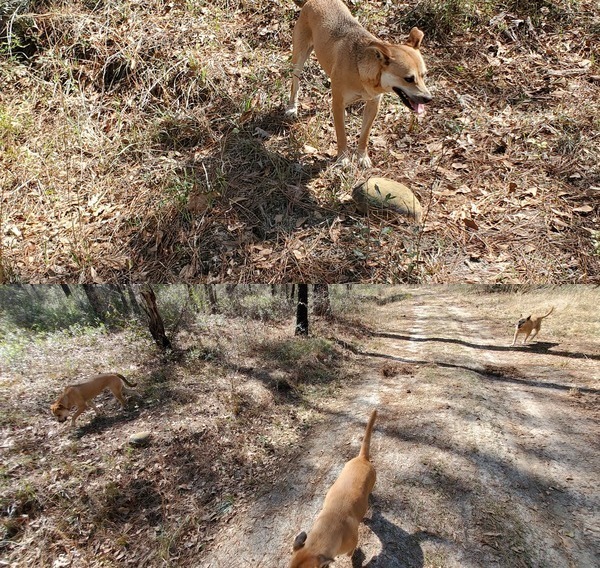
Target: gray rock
{"type": "Point", "coordinates": [386, 195]}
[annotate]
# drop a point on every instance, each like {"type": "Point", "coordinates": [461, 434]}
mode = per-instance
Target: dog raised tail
{"type": "Point", "coordinates": [551, 310]}
{"type": "Point", "coordinates": [366, 443]}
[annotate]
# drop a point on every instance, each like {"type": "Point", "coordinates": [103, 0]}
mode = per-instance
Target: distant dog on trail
{"type": "Point", "coordinates": [335, 530]}
{"type": "Point", "coordinates": [359, 65]}
{"type": "Point", "coordinates": [529, 326]}
{"type": "Point", "coordinates": [82, 395]}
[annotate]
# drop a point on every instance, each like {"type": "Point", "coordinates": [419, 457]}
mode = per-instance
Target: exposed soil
{"type": "Point", "coordinates": [487, 455]}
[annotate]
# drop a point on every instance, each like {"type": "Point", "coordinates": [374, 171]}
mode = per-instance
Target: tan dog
{"type": "Point", "coordinates": [81, 395]}
{"type": "Point", "coordinates": [528, 325]}
{"type": "Point", "coordinates": [360, 66]}
{"type": "Point", "coordinates": [336, 528]}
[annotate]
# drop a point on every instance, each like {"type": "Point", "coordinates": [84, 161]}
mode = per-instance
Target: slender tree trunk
{"type": "Point", "coordinates": [133, 303]}
{"type": "Point", "coordinates": [155, 321]}
{"type": "Point", "coordinates": [66, 290]}
{"type": "Point", "coordinates": [322, 305]}
{"type": "Point", "coordinates": [302, 310]}
{"type": "Point", "coordinates": [211, 294]}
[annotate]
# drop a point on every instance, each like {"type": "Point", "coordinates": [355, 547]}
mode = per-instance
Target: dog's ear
{"type": "Point", "coordinates": [415, 37]}
{"type": "Point", "coordinates": [324, 561]}
{"type": "Point", "coordinates": [299, 541]}
{"type": "Point", "coordinates": [382, 51]}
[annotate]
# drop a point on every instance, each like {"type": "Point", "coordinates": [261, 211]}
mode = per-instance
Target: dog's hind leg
{"type": "Point", "coordinates": [118, 392]}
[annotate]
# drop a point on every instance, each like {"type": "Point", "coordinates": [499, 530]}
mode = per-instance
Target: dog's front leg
{"type": "Point", "coordinates": [339, 112]}
{"type": "Point", "coordinates": [515, 337]}
{"type": "Point", "coordinates": [302, 48]}
{"type": "Point", "coordinates": [369, 113]}
{"type": "Point", "coordinates": [80, 410]}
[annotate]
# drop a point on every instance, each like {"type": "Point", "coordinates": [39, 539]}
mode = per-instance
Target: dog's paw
{"type": "Point", "coordinates": [291, 111]}
{"type": "Point", "coordinates": [364, 161]}
{"type": "Point", "coordinates": [343, 161]}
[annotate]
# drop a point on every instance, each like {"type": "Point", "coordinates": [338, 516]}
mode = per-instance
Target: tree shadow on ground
{"type": "Point", "coordinates": [539, 347]}
{"type": "Point", "coordinates": [247, 193]}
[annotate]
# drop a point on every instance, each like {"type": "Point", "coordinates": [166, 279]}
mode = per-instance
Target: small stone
{"type": "Point", "coordinates": [386, 195]}
{"type": "Point", "coordinates": [140, 438]}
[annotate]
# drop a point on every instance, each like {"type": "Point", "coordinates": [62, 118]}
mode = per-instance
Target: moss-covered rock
{"type": "Point", "coordinates": [386, 195]}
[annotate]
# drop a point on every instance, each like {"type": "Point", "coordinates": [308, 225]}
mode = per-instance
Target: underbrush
{"type": "Point", "coordinates": [147, 142]}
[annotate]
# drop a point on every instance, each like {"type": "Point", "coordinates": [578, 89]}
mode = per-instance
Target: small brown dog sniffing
{"type": "Point", "coordinates": [82, 395]}
{"type": "Point", "coordinates": [529, 326]}
{"type": "Point", "coordinates": [335, 530]}
{"type": "Point", "coordinates": [359, 65]}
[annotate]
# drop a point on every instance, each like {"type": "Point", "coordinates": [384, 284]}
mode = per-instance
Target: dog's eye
{"type": "Point", "coordinates": [410, 79]}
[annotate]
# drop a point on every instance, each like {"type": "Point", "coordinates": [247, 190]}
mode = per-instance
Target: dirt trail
{"type": "Point", "coordinates": [485, 454]}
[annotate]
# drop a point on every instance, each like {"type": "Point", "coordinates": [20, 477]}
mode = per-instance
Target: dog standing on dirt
{"type": "Point", "coordinates": [335, 530]}
{"type": "Point", "coordinates": [360, 67]}
{"type": "Point", "coordinates": [82, 395]}
{"type": "Point", "coordinates": [529, 326]}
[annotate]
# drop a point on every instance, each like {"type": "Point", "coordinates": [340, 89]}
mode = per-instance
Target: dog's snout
{"type": "Point", "coordinates": [425, 98]}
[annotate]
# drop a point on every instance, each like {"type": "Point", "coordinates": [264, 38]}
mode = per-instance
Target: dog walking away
{"type": "Point", "coordinates": [529, 326]}
{"type": "Point", "coordinates": [360, 67]}
{"type": "Point", "coordinates": [335, 530]}
{"type": "Point", "coordinates": [82, 395]}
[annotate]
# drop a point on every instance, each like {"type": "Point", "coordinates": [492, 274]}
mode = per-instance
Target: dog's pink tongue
{"type": "Point", "coordinates": [419, 108]}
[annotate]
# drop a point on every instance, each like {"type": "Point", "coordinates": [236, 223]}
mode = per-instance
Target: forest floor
{"type": "Point", "coordinates": [486, 454]}
{"type": "Point", "coordinates": [146, 141]}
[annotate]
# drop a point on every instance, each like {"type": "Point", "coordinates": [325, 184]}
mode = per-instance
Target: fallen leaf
{"type": "Point", "coordinates": [583, 209]}
{"type": "Point", "coordinates": [471, 224]}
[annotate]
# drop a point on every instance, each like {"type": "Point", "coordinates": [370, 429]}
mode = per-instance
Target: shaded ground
{"type": "Point", "coordinates": [486, 455]}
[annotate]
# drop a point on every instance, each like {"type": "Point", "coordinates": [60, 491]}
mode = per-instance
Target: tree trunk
{"type": "Point", "coordinates": [302, 310]}
{"type": "Point", "coordinates": [133, 303]}
{"type": "Point", "coordinates": [322, 305]}
{"type": "Point", "coordinates": [155, 322]}
{"type": "Point", "coordinates": [66, 290]}
{"type": "Point", "coordinates": [94, 296]}
{"type": "Point", "coordinates": [211, 294]}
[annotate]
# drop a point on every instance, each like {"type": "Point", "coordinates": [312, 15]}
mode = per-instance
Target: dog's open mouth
{"type": "Point", "coordinates": [417, 108]}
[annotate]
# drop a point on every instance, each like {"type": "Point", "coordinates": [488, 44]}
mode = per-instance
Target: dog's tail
{"type": "Point", "coordinates": [126, 381]}
{"type": "Point", "coordinates": [366, 443]}
{"type": "Point", "coordinates": [551, 310]}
